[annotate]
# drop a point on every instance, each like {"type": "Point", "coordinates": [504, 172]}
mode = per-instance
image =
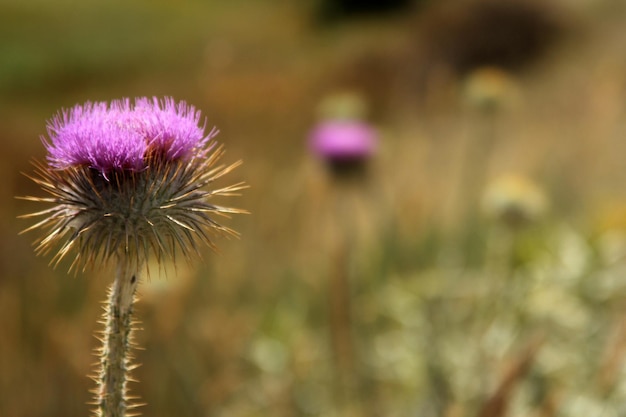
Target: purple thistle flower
{"type": "Point", "coordinates": [345, 145]}
{"type": "Point", "coordinates": [343, 139]}
{"type": "Point", "coordinates": [126, 180]}
{"type": "Point", "coordinates": [128, 177]}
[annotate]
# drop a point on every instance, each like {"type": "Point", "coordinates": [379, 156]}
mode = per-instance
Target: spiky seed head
{"type": "Point", "coordinates": [129, 178]}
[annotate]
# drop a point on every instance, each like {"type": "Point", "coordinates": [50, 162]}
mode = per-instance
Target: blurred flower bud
{"type": "Point", "coordinates": [344, 105]}
{"type": "Point", "coordinates": [514, 200]}
{"type": "Point", "coordinates": [489, 89]}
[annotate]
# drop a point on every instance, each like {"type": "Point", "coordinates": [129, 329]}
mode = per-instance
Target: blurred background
{"type": "Point", "coordinates": [473, 265]}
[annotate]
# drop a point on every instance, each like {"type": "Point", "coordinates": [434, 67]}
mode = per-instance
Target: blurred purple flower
{"type": "Point", "coordinates": [121, 135]}
{"type": "Point", "coordinates": [343, 140]}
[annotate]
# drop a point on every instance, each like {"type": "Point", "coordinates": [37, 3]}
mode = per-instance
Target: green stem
{"type": "Point", "coordinates": [112, 398]}
{"type": "Point", "coordinates": [340, 297]}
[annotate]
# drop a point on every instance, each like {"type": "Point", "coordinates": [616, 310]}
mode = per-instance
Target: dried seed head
{"type": "Point", "coordinates": [129, 179]}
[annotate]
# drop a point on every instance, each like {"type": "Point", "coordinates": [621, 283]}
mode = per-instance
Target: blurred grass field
{"type": "Point", "coordinates": [450, 309]}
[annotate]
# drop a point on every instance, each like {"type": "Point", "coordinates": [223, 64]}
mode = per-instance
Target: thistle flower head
{"type": "Point", "coordinates": [343, 139]}
{"type": "Point", "coordinates": [345, 145]}
{"type": "Point", "coordinates": [129, 178]}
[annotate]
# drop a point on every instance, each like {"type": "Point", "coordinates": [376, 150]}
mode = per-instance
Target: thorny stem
{"type": "Point", "coordinates": [111, 393]}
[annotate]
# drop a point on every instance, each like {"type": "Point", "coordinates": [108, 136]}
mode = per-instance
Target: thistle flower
{"type": "Point", "coordinates": [127, 179]}
{"type": "Point", "coordinates": [346, 145]}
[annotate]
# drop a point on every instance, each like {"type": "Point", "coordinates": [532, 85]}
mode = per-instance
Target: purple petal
{"type": "Point", "coordinates": [95, 134]}
{"type": "Point", "coordinates": [119, 135]}
{"type": "Point", "coordinates": [171, 127]}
